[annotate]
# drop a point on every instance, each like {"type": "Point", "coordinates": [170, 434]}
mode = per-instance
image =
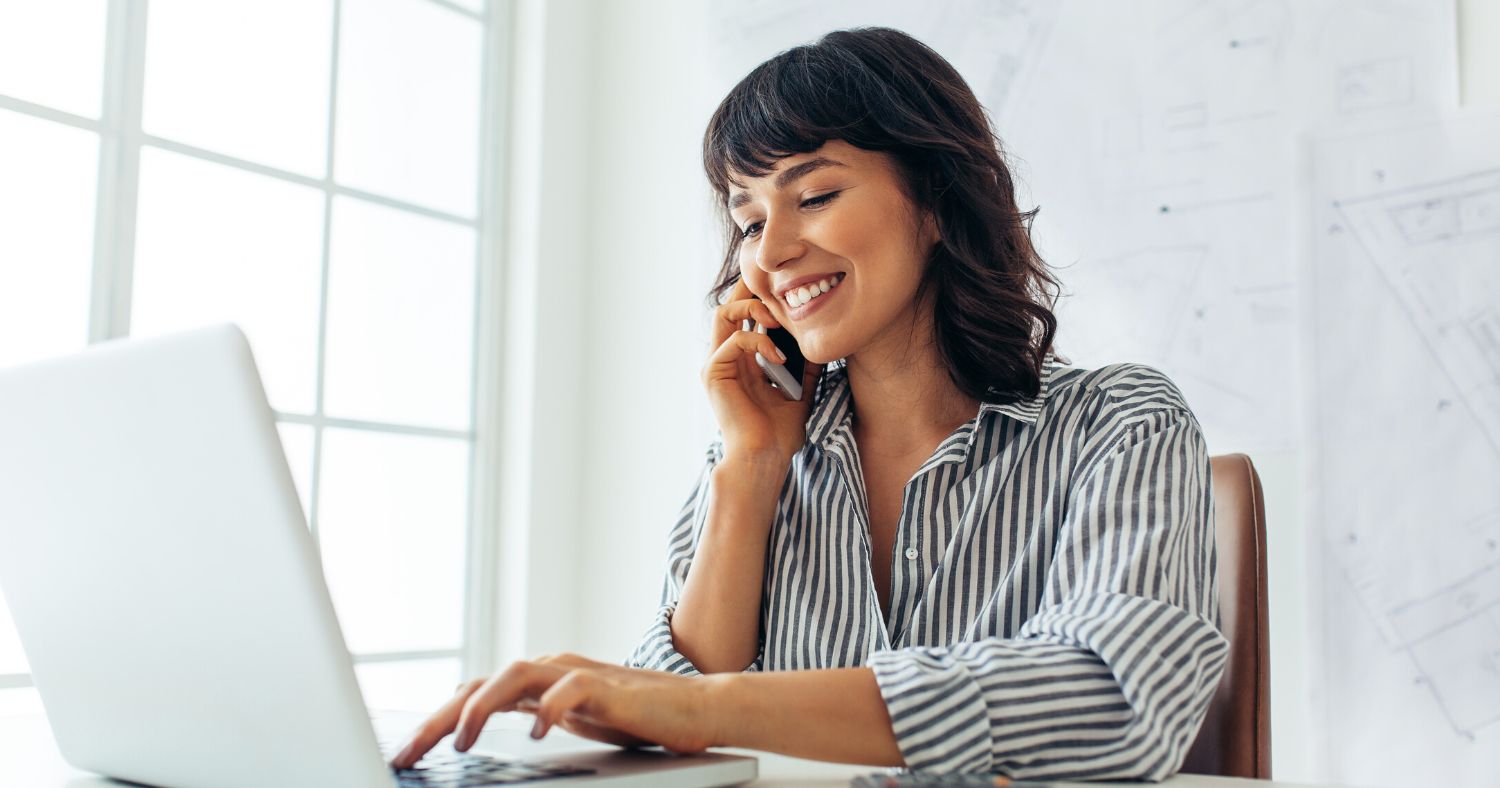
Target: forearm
{"type": "Point", "coordinates": [717, 621]}
{"type": "Point", "coordinates": [827, 715]}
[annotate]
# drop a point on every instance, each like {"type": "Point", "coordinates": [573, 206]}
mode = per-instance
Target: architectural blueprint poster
{"type": "Point", "coordinates": [1405, 319]}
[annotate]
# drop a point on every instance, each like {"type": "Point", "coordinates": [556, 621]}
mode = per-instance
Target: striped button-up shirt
{"type": "Point", "coordinates": [1053, 603]}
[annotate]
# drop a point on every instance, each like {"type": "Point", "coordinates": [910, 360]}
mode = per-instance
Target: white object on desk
{"type": "Point", "coordinates": [169, 596]}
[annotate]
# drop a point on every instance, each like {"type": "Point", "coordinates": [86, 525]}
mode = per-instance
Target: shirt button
{"type": "Point", "coordinates": [911, 553]}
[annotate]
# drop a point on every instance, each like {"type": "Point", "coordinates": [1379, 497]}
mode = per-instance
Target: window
{"type": "Point", "coordinates": [311, 170]}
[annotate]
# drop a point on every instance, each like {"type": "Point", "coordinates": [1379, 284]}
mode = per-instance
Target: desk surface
{"type": "Point", "coordinates": [31, 759]}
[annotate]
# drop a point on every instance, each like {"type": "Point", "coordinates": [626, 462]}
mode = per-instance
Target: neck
{"type": "Point", "coordinates": [904, 401]}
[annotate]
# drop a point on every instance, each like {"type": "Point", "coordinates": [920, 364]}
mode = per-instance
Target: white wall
{"type": "Point", "coordinates": [541, 330]}
{"type": "Point", "coordinates": [653, 256]}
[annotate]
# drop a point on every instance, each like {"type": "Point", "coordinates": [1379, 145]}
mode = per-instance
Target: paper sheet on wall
{"type": "Point", "coordinates": [1405, 314]}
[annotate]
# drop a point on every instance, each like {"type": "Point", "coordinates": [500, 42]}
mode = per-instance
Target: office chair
{"type": "Point", "coordinates": [1235, 740]}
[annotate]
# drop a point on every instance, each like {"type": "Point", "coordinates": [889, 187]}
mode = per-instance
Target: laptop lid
{"type": "Point", "coordinates": [158, 567]}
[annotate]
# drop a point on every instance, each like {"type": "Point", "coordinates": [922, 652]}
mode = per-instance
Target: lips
{"type": "Point", "coordinates": [810, 288]}
{"type": "Point", "coordinates": [804, 308]}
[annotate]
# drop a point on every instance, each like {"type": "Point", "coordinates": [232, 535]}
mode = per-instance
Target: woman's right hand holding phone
{"type": "Point", "coordinates": [717, 621]}
{"type": "Point", "coordinates": [757, 421]}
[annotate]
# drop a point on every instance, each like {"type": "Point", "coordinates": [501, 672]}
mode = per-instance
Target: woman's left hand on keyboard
{"type": "Point", "coordinates": [609, 703]}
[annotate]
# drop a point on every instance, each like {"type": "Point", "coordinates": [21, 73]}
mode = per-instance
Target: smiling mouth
{"type": "Point", "coordinates": [796, 298]}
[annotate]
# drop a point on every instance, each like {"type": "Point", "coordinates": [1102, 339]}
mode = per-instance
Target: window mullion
{"type": "Point", "coordinates": [119, 169]}
{"type": "Point", "coordinates": [484, 616]}
{"type": "Point", "coordinates": [315, 483]}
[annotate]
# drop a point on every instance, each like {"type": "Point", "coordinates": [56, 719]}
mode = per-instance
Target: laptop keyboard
{"type": "Point", "coordinates": [463, 769]}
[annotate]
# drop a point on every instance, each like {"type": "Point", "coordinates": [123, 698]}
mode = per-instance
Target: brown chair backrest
{"type": "Point", "coordinates": [1235, 740]}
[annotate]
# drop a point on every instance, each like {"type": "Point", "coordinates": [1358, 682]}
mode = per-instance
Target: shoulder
{"type": "Point", "coordinates": [1128, 385]}
{"type": "Point", "coordinates": [1118, 397]}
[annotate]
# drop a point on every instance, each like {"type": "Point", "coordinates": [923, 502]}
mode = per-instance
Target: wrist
{"type": "Point", "coordinates": [758, 469]}
{"type": "Point", "coordinates": [722, 706]}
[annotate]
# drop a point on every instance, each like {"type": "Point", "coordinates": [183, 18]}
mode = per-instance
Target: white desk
{"type": "Point", "coordinates": [30, 758]}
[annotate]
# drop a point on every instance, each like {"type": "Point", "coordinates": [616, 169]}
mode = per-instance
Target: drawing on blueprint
{"type": "Point", "coordinates": [1410, 294]}
{"type": "Point", "coordinates": [1435, 246]}
{"type": "Point", "coordinates": [1375, 84]}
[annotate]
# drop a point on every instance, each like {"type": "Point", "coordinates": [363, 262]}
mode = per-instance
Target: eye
{"type": "Point", "coordinates": [753, 229]}
{"type": "Point", "coordinates": [820, 200]}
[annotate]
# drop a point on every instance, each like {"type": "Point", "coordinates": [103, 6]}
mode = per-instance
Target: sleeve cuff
{"type": "Point", "coordinates": [937, 712]}
{"type": "Point", "coordinates": [1109, 688]}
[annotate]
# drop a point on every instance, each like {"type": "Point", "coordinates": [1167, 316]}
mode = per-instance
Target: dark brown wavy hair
{"type": "Point", "coordinates": [882, 90]}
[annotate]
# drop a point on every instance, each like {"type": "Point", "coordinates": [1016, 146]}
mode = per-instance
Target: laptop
{"type": "Point", "coordinates": [171, 601]}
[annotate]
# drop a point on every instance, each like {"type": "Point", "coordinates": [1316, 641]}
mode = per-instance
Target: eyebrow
{"type": "Point", "coordinates": [787, 176]}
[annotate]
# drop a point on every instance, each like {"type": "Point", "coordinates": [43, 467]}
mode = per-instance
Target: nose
{"type": "Point", "coordinates": [780, 243]}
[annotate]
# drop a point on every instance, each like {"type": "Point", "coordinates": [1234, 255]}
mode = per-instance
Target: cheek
{"type": "Point", "coordinates": [757, 280]}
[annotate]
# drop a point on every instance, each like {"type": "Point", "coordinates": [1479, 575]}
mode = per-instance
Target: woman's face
{"type": "Point", "coordinates": [836, 216]}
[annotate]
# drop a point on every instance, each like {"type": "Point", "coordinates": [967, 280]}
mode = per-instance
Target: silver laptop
{"type": "Point", "coordinates": [171, 601]}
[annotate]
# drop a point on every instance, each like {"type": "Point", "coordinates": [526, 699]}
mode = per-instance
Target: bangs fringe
{"type": "Point", "coordinates": [782, 108]}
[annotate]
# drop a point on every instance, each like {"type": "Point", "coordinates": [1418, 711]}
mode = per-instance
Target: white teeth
{"type": "Point", "coordinates": [801, 295]}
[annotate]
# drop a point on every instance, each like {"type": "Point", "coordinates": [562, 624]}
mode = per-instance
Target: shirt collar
{"type": "Point", "coordinates": [1029, 409]}
{"type": "Point", "coordinates": [832, 400]}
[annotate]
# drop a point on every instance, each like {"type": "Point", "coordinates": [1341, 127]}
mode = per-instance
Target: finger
{"type": "Point", "coordinates": [731, 317]}
{"type": "Point", "coordinates": [581, 725]}
{"type": "Point", "coordinates": [723, 364]}
{"type": "Point", "coordinates": [500, 693]}
{"type": "Point", "coordinates": [573, 692]}
{"type": "Point", "coordinates": [440, 724]}
{"type": "Point", "coordinates": [570, 661]}
{"type": "Point", "coordinates": [742, 306]}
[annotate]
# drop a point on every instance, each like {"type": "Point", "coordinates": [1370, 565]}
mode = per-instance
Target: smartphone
{"type": "Point", "coordinates": [785, 377]}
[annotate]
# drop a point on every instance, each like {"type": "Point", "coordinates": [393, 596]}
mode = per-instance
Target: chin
{"type": "Point", "coordinates": [820, 353]}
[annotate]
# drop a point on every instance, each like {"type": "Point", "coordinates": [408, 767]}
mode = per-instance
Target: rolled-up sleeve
{"type": "Point", "coordinates": [1111, 676]}
{"type": "Point", "coordinates": [656, 650]}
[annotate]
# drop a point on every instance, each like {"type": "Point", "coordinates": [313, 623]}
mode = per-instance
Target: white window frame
{"type": "Point", "coordinates": [121, 138]}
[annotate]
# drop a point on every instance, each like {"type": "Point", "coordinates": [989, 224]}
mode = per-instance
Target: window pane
{"type": "Point", "coordinates": [249, 80]}
{"type": "Point", "coordinates": [408, 103]}
{"type": "Point", "coordinates": [52, 53]}
{"type": "Point", "coordinates": [12, 658]}
{"type": "Point", "coordinates": [214, 243]}
{"type": "Point", "coordinates": [418, 685]}
{"type": "Point", "coordinates": [22, 702]}
{"type": "Point", "coordinates": [48, 177]}
{"type": "Point", "coordinates": [297, 442]}
{"type": "Point", "coordinates": [477, 6]}
{"type": "Point", "coordinates": [400, 317]}
{"type": "Point", "coordinates": [391, 529]}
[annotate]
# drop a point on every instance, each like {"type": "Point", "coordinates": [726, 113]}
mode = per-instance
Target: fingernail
{"type": "Point", "coordinates": [464, 740]}
{"type": "Point", "coordinates": [780, 355]}
{"type": "Point", "coordinates": [538, 728]}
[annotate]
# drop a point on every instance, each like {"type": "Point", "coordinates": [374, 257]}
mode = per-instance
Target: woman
{"type": "Point", "coordinates": [956, 553]}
